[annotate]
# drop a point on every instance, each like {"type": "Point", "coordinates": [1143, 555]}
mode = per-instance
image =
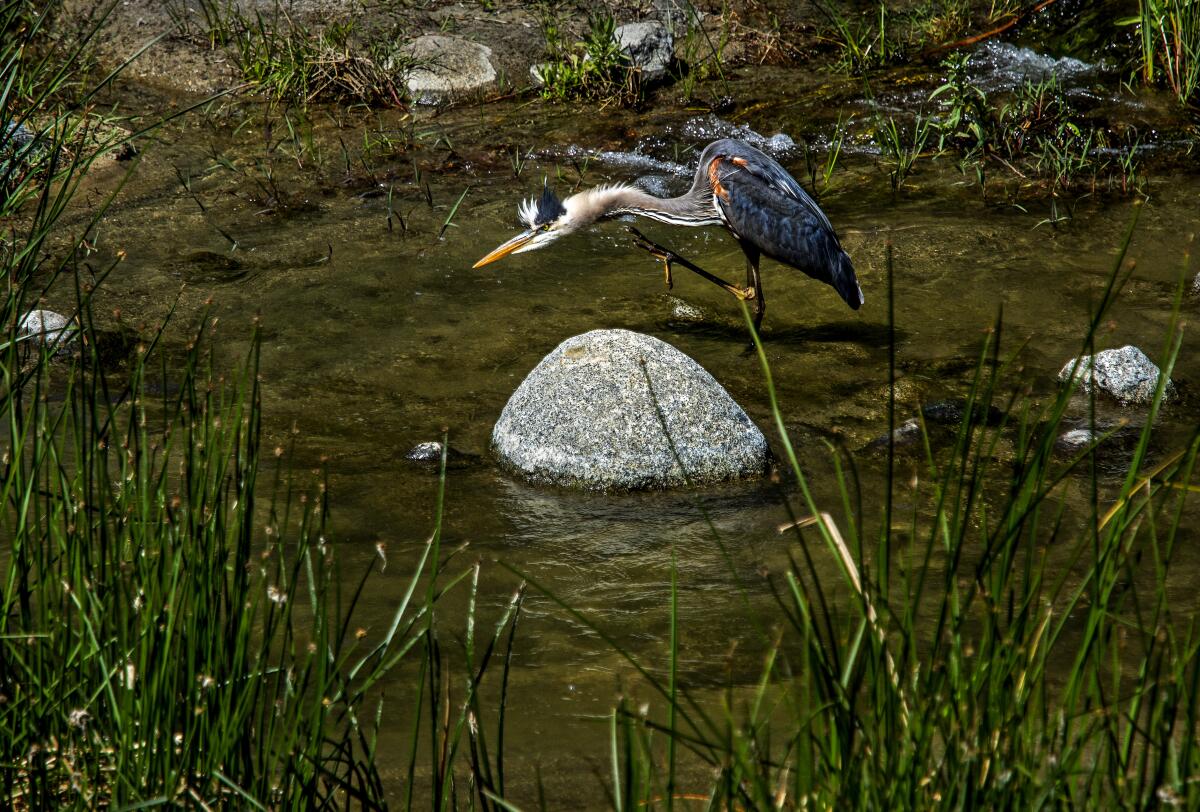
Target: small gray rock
{"type": "Point", "coordinates": [430, 453]}
{"type": "Point", "coordinates": [1125, 374]}
{"type": "Point", "coordinates": [649, 46]}
{"type": "Point", "coordinates": [453, 68]}
{"type": "Point", "coordinates": [598, 410]}
{"type": "Point", "coordinates": [425, 452]}
{"type": "Point", "coordinates": [18, 144]}
{"type": "Point", "coordinates": [906, 434]}
{"type": "Point", "coordinates": [45, 328]}
{"type": "Point", "coordinates": [1196, 285]}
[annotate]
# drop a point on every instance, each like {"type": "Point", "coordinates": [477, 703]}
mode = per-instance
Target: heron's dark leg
{"type": "Point", "coordinates": [754, 283]}
{"type": "Point", "coordinates": [668, 257]}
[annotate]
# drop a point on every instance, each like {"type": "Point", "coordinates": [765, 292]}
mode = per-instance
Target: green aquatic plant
{"type": "Point", "coordinates": [901, 145]}
{"type": "Point", "coordinates": [863, 44]}
{"type": "Point", "coordinates": [963, 107]}
{"type": "Point", "coordinates": [594, 68]}
{"type": "Point", "coordinates": [1033, 133]}
{"type": "Point", "coordinates": [291, 62]}
{"type": "Point", "coordinates": [821, 174]}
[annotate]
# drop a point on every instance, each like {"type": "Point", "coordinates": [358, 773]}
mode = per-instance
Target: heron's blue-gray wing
{"type": "Point", "coordinates": [767, 208]}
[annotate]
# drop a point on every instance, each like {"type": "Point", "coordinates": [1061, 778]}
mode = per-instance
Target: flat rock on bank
{"type": "Point", "coordinates": [452, 68]}
{"type": "Point", "coordinates": [598, 410]}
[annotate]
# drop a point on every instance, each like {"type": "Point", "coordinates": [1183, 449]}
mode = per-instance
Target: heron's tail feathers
{"type": "Point", "coordinates": [845, 282]}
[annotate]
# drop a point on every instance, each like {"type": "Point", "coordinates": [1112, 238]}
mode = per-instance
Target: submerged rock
{"type": "Point", "coordinates": [685, 311]}
{"type": "Point", "coordinates": [613, 409]}
{"type": "Point", "coordinates": [952, 412]}
{"type": "Point", "coordinates": [19, 149]}
{"type": "Point", "coordinates": [452, 67]}
{"type": "Point", "coordinates": [1075, 440]}
{"type": "Point", "coordinates": [649, 46]}
{"type": "Point", "coordinates": [1126, 374]}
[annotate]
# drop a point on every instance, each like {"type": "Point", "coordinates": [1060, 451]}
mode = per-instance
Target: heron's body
{"type": "Point", "coordinates": [735, 186]}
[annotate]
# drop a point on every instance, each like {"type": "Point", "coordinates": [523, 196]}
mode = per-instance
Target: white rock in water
{"type": "Point", "coordinates": [452, 67]}
{"type": "Point", "coordinates": [46, 328]}
{"type": "Point", "coordinates": [598, 410]}
{"type": "Point", "coordinates": [1125, 374]}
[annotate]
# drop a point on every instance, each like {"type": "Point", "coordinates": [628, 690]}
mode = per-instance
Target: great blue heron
{"type": "Point", "coordinates": [736, 186]}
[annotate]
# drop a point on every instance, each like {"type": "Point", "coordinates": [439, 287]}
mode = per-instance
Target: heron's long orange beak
{"type": "Point", "coordinates": [506, 249]}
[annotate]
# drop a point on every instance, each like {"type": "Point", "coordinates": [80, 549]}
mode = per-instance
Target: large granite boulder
{"type": "Point", "coordinates": [612, 409]}
{"type": "Point", "coordinates": [1125, 374]}
{"type": "Point", "coordinates": [451, 68]}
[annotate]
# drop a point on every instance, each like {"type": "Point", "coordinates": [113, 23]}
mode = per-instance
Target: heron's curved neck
{"type": "Point", "coordinates": [692, 209]}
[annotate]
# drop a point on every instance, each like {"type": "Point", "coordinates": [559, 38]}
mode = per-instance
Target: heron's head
{"type": "Point", "coordinates": [546, 218]}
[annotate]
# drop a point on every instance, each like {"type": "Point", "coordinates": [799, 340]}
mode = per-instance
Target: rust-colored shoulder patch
{"type": "Point", "coordinates": [739, 161]}
{"type": "Point", "coordinates": [714, 177]}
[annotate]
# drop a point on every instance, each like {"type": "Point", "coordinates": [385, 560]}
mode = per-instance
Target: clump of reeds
{"type": "Point", "coordinates": [166, 635]}
{"type": "Point", "coordinates": [994, 648]}
{"type": "Point", "coordinates": [291, 61]}
{"type": "Point", "coordinates": [1169, 39]}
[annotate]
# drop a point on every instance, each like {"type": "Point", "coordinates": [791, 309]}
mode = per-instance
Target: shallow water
{"type": "Point", "coordinates": [374, 340]}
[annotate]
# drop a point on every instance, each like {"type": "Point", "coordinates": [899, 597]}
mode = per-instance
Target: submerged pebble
{"type": "Point", "coordinates": [613, 409]}
{"type": "Point", "coordinates": [1075, 440]}
{"type": "Point", "coordinates": [1125, 374]}
{"type": "Point", "coordinates": [683, 311]}
{"type": "Point", "coordinates": [906, 434]}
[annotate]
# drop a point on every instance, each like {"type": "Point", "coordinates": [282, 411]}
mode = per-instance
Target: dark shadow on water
{"type": "Point", "coordinates": [874, 336]}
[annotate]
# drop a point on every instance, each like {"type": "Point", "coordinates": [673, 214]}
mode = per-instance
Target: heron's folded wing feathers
{"type": "Point", "coordinates": [765, 206]}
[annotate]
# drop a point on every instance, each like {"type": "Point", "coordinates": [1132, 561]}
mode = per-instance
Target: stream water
{"type": "Point", "coordinates": [375, 338]}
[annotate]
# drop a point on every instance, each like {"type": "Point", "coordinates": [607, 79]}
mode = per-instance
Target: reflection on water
{"type": "Point", "coordinates": [374, 340]}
